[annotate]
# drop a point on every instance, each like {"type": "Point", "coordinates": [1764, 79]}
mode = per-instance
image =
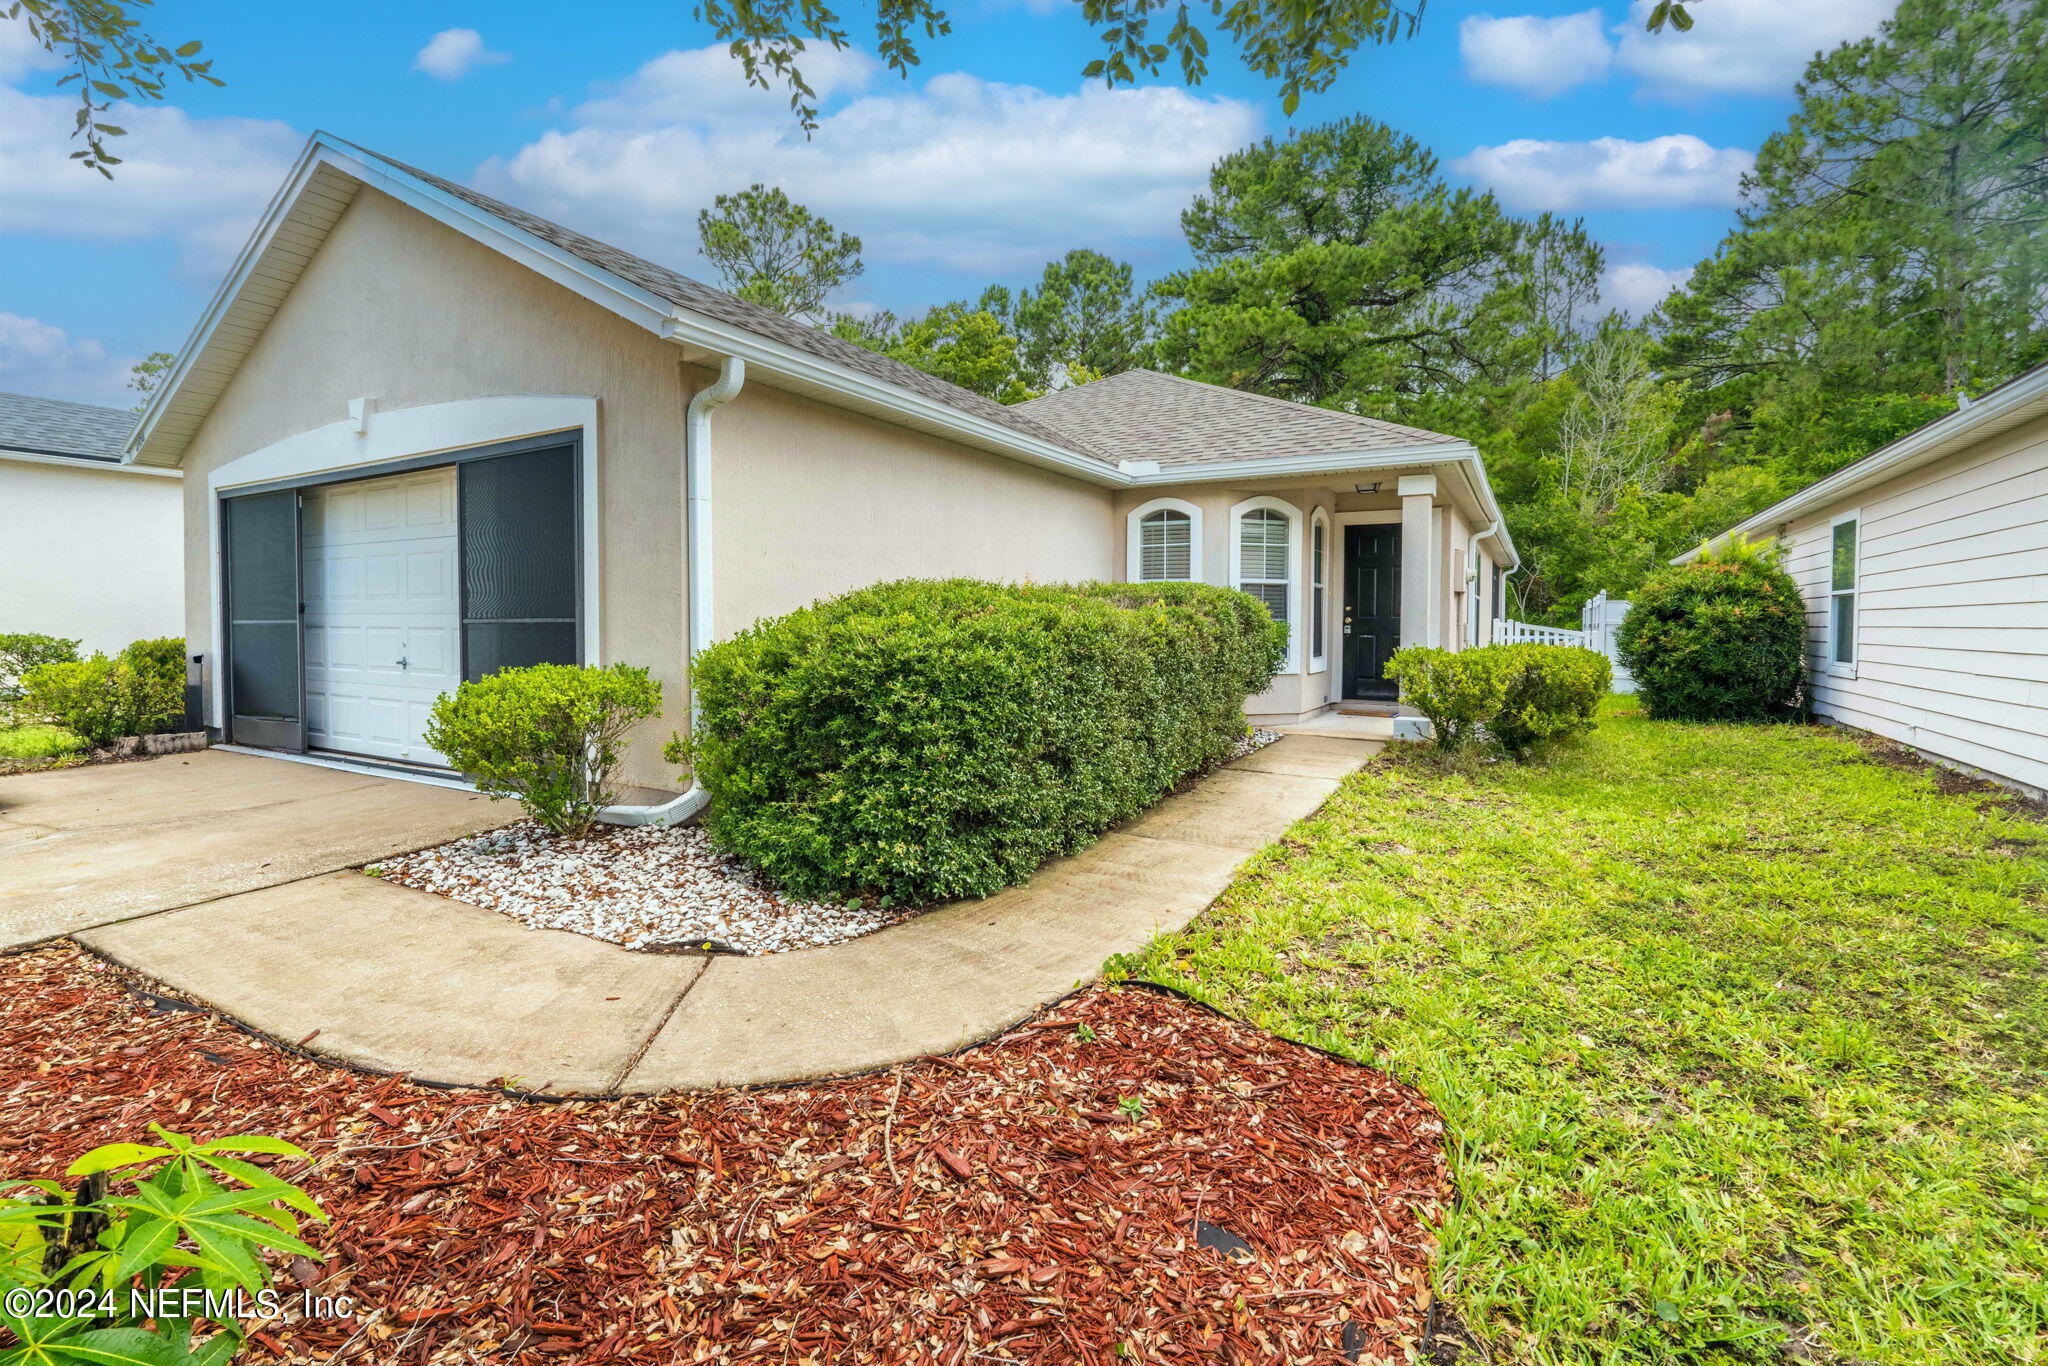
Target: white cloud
{"type": "Point", "coordinates": [1637, 287]}
{"type": "Point", "coordinates": [37, 358]}
{"type": "Point", "coordinates": [21, 54]}
{"type": "Point", "coordinates": [1678, 171]}
{"type": "Point", "coordinates": [453, 53]}
{"type": "Point", "coordinates": [962, 173]}
{"type": "Point", "coordinates": [708, 83]}
{"type": "Point", "coordinates": [1533, 54]}
{"type": "Point", "coordinates": [201, 182]}
{"type": "Point", "coordinates": [1751, 47]}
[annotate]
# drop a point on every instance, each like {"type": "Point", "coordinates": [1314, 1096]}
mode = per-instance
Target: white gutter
{"type": "Point", "coordinates": [732, 374]}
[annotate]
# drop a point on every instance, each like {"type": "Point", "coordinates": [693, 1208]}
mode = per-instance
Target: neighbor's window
{"type": "Point", "coordinates": [1165, 547]}
{"type": "Point", "coordinates": [1842, 594]}
{"type": "Point", "coordinates": [1316, 613]}
{"type": "Point", "coordinates": [1262, 568]}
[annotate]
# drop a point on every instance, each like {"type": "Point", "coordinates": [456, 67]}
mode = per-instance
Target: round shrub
{"type": "Point", "coordinates": [548, 735]}
{"type": "Point", "coordinates": [1553, 693]}
{"type": "Point", "coordinates": [1719, 638]}
{"type": "Point", "coordinates": [931, 739]}
{"type": "Point", "coordinates": [1460, 691]}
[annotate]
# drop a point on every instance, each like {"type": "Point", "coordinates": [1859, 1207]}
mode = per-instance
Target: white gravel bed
{"type": "Point", "coordinates": [645, 888]}
{"type": "Point", "coordinates": [1257, 738]}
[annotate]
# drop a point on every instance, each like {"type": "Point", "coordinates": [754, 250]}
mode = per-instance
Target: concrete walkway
{"type": "Point", "coordinates": [399, 980]}
{"type": "Point", "coordinates": [101, 843]}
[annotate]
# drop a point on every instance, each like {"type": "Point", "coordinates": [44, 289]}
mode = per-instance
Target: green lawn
{"type": "Point", "coordinates": [1740, 1034]}
{"type": "Point", "coordinates": [37, 742]}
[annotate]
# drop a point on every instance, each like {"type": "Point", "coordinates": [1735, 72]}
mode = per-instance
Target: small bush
{"type": "Point", "coordinates": [1519, 695]}
{"type": "Point", "coordinates": [548, 736]}
{"type": "Point", "coordinates": [1459, 691]}
{"type": "Point", "coordinates": [1553, 692]}
{"type": "Point", "coordinates": [1720, 638]}
{"type": "Point", "coordinates": [925, 740]}
{"type": "Point", "coordinates": [101, 699]}
{"type": "Point", "coordinates": [163, 657]}
{"type": "Point", "coordinates": [24, 650]}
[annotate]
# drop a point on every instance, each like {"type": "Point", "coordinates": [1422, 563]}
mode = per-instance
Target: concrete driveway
{"type": "Point", "coordinates": [90, 846]}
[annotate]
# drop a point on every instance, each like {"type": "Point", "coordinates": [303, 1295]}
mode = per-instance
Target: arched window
{"type": "Point", "coordinates": [1165, 546]}
{"type": "Point", "coordinates": [1165, 537]}
{"type": "Point", "coordinates": [1266, 563]}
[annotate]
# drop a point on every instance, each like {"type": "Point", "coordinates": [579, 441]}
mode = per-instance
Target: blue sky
{"type": "Point", "coordinates": [623, 120]}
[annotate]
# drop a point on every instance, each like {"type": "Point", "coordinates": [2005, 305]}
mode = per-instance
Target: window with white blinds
{"type": "Point", "coordinates": [1262, 560]}
{"type": "Point", "coordinates": [1166, 544]}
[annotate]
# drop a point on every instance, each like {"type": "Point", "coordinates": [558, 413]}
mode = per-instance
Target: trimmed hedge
{"type": "Point", "coordinates": [1553, 693]}
{"type": "Point", "coordinates": [548, 735]}
{"type": "Point", "coordinates": [1522, 696]}
{"type": "Point", "coordinates": [1719, 638]}
{"type": "Point", "coordinates": [930, 739]}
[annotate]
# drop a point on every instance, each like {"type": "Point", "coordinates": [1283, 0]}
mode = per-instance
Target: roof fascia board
{"type": "Point", "coordinates": [1422, 453]}
{"type": "Point", "coordinates": [1434, 453]}
{"type": "Point", "coordinates": [613, 292]}
{"type": "Point", "coordinates": [86, 462]}
{"type": "Point", "coordinates": [2011, 401]}
{"type": "Point", "coordinates": [223, 299]}
{"type": "Point", "coordinates": [694, 330]}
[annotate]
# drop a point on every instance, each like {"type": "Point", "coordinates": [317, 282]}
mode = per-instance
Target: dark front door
{"type": "Point", "coordinates": [1372, 608]}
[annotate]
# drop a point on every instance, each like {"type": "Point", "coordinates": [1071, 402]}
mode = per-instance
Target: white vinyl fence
{"type": "Point", "coordinates": [1598, 621]}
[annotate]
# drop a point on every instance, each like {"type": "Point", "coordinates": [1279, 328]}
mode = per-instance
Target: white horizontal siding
{"type": "Point", "coordinates": [1952, 616]}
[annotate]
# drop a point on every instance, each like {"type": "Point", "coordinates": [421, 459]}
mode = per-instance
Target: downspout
{"type": "Point", "coordinates": [1472, 571]}
{"type": "Point", "coordinates": [732, 374]}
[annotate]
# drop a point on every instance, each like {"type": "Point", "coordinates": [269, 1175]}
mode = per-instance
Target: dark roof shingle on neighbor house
{"type": "Point", "coordinates": [52, 426]}
{"type": "Point", "coordinates": [1146, 415]}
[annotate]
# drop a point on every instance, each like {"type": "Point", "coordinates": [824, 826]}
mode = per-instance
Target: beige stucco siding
{"type": "Point", "coordinates": [405, 311]}
{"type": "Point", "coordinates": [809, 500]}
{"type": "Point", "coordinates": [1952, 618]}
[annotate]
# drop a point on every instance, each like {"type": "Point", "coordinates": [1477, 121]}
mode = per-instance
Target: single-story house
{"type": "Point", "coordinates": [426, 434]}
{"type": "Point", "coordinates": [1924, 566]}
{"type": "Point", "coordinates": [91, 547]}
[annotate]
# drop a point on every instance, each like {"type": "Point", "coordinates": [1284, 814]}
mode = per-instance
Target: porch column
{"type": "Point", "coordinates": [1420, 571]}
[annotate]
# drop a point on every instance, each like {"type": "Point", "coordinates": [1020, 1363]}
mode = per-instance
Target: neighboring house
{"type": "Point", "coordinates": [428, 435]}
{"type": "Point", "coordinates": [1925, 571]}
{"type": "Point", "coordinates": [90, 548]}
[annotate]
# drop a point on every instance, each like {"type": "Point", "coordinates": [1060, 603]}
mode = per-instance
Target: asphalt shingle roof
{"type": "Point", "coordinates": [701, 298]}
{"type": "Point", "coordinates": [50, 426]}
{"type": "Point", "coordinates": [1145, 415]}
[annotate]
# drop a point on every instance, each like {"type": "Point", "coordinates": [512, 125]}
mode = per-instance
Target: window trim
{"type": "Point", "coordinates": [1291, 662]}
{"type": "Point", "coordinates": [1134, 538]}
{"type": "Point", "coordinates": [1319, 583]}
{"type": "Point", "coordinates": [1854, 592]}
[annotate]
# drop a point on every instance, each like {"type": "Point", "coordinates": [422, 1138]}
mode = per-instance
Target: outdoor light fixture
{"type": "Point", "coordinates": [1365, 488]}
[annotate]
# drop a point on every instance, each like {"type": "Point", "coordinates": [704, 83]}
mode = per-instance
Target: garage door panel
{"type": "Point", "coordinates": [382, 602]}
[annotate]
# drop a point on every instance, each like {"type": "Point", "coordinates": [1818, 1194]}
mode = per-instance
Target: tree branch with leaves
{"type": "Point", "coordinates": [109, 56]}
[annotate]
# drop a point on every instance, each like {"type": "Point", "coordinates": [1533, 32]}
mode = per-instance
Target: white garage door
{"type": "Point", "coordinates": [383, 613]}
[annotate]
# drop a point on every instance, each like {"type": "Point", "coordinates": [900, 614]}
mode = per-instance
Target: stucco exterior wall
{"type": "Point", "coordinates": [90, 554]}
{"type": "Point", "coordinates": [1952, 607]}
{"type": "Point", "coordinates": [400, 309]}
{"type": "Point", "coordinates": [809, 500]}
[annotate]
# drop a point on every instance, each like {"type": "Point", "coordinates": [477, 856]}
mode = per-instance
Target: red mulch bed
{"type": "Point", "coordinates": [1005, 1205]}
